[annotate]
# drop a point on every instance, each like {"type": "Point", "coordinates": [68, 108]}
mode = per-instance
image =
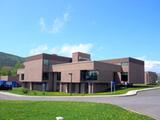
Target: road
{"type": "Point", "coordinates": [146, 102]}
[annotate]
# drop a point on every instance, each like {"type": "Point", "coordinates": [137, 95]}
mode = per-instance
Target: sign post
{"type": "Point", "coordinates": [113, 86]}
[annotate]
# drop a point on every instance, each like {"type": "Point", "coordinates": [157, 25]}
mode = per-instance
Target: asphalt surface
{"type": "Point", "coordinates": [145, 102]}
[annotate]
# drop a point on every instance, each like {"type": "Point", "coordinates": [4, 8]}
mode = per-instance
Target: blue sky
{"type": "Point", "coordinates": [105, 28]}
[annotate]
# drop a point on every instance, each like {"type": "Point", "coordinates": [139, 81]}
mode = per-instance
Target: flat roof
{"type": "Point", "coordinates": [69, 59]}
{"type": "Point", "coordinates": [126, 59]}
{"type": "Point", "coordinates": [48, 56]}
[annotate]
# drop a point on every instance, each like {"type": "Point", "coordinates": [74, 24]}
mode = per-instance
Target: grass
{"type": "Point", "coordinates": [121, 90]}
{"type": "Point", "coordinates": [43, 110]}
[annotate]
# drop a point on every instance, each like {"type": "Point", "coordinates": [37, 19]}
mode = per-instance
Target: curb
{"type": "Point", "coordinates": [135, 92]}
{"type": "Point", "coordinates": [129, 93]}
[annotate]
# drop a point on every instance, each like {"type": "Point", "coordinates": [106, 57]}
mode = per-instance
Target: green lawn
{"type": "Point", "coordinates": [40, 93]}
{"type": "Point", "coordinates": [43, 110]}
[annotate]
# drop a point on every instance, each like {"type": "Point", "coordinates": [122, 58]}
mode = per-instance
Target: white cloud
{"type": "Point", "coordinates": [38, 50]}
{"type": "Point", "coordinates": [69, 49]}
{"type": "Point", "coordinates": [66, 16]}
{"type": "Point", "coordinates": [65, 50]}
{"type": "Point", "coordinates": [42, 25]}
{"type": "Point", "coordinates": [151, 65]}
{"type": "Point", "coordinates": [58, 24]}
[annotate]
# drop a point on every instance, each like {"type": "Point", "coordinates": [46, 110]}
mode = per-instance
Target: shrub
{"type": "Point", "coordinates": [25, 91]}
{"type": "Point", "coordinates": [34, 92]}
{"type": "Point", "coordinates": [43, 93]}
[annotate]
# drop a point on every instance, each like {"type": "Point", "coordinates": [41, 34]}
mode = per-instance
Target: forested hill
{"type": "Point", "coordinates": [9, 59]}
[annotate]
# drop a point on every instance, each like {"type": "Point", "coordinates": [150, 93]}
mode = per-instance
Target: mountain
{"type": "Point", "coordinates": [9, 59]}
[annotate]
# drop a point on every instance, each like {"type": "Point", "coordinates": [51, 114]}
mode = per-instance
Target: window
{"type": "Point", "coordinates": [124, 63]}
{"type": "Point", "coordinates": [58, 75]}
{"type": "Point", "coordinates": [45, 76]}
{"type": "Point", "coordinates": [83, 58]}
{"type": "Point", "coordinates": [22, 76]}
{"type": "Point", "coordinates": [124, 76]}
{"type": "Point", "coordinates": [118, 63]}
{"type": "Point", "coordinates": [46, 62]}
{"type": "Point", "coordinates": [88, 75]}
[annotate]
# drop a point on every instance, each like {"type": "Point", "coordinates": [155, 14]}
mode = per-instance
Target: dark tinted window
{"type": "Point", "coordinates": [88, 75]}
{"type": "Point", "coordinates": [124, 76]}
{"type": "Point", "coordinates": [46, 62]}
{"type": "Point", "coordinates": [58, 75]}
{"type": "Point", "coordinates": [22, 76]}
{"type": "Point", "coordinates": [45, 76]}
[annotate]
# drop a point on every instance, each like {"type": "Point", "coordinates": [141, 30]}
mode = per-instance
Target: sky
{"type": "Point", "coordinates": [104, 28]}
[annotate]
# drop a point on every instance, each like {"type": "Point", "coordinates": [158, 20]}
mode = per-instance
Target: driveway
{"type": "Point", "coordinates": [145, 102]}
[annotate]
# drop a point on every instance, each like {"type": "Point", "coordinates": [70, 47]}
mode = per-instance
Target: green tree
{"type": "Point", "coordinates": [5, 70]}
{"type": "Point", "coordinates": [16, 67]}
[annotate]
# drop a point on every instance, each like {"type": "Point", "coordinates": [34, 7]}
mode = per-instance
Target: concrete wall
{"type": "Point", "coordinates": [34, 66]}
{"type": "Point", "coordinates": [19, 73]}
{"type": "Point", "coordinates": [37, 86]}
{"type": "Point", "coordinates": [136, 73]}
{"type": "Point", "coordinates": [73, 68]}
{"type": "Point", "coordinates": [106, 71]}
{"type": "Point", "coordinates": [48, 68]}
{"type": "Point", "coordinates": [99, 87]}
{"type": "Point", "coordinates": [135, 68]}
{"type": "Point", "coordinates": [79, 56]}
{"type": "Point", "coordinates": [33, 70]}
{"type": "Point", "coordinates": [9, 78]}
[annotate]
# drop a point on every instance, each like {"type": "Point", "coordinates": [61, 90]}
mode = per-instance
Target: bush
{"type": "Point", "coordinates": [25, 91]}
{"type": "Point", "coordinates": [43, 93]}
{"type": "Point", "coordinates": [34, 92]}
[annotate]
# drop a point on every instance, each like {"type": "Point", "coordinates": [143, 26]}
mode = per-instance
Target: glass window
{"type": "Point", "coordinates": [118, 63]}
{"type": "Point", "coordinates": [46, 62]}
{"type": "Point", "coordinates": [58, 75]}
{"type": "Point", "coordinates": [88, 75]}
{"type": "Point", "coordinates": [22, 76]}
{"type": "Point", "coordinates": [124, 76]}
{"type": "Point", "coordinates": [45, 76]}
{"type": "Point", "coordinates": [124, 63]}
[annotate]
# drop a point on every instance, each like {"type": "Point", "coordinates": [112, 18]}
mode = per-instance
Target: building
{"type": "Point", "coordinates": [78, 74]}
{"type": "Point", "coordinates": [9, 78]}
{"type": "Point", "coordinates": [150, 77]}
{"type": "Point", "coordinates": [37, 73]}
{"type": "Point", "coordinates": [132, 69]}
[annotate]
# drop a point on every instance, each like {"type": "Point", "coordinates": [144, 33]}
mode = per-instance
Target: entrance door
{"type": "Point", "coordinates": [124, 76]}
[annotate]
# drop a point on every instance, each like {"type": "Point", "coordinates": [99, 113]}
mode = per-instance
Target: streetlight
{"type": "Point", "coordinates": [71, 84]}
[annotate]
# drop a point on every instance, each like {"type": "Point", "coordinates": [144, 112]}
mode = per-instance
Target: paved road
{"type": "Point", "coordinates": [146, 102]}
